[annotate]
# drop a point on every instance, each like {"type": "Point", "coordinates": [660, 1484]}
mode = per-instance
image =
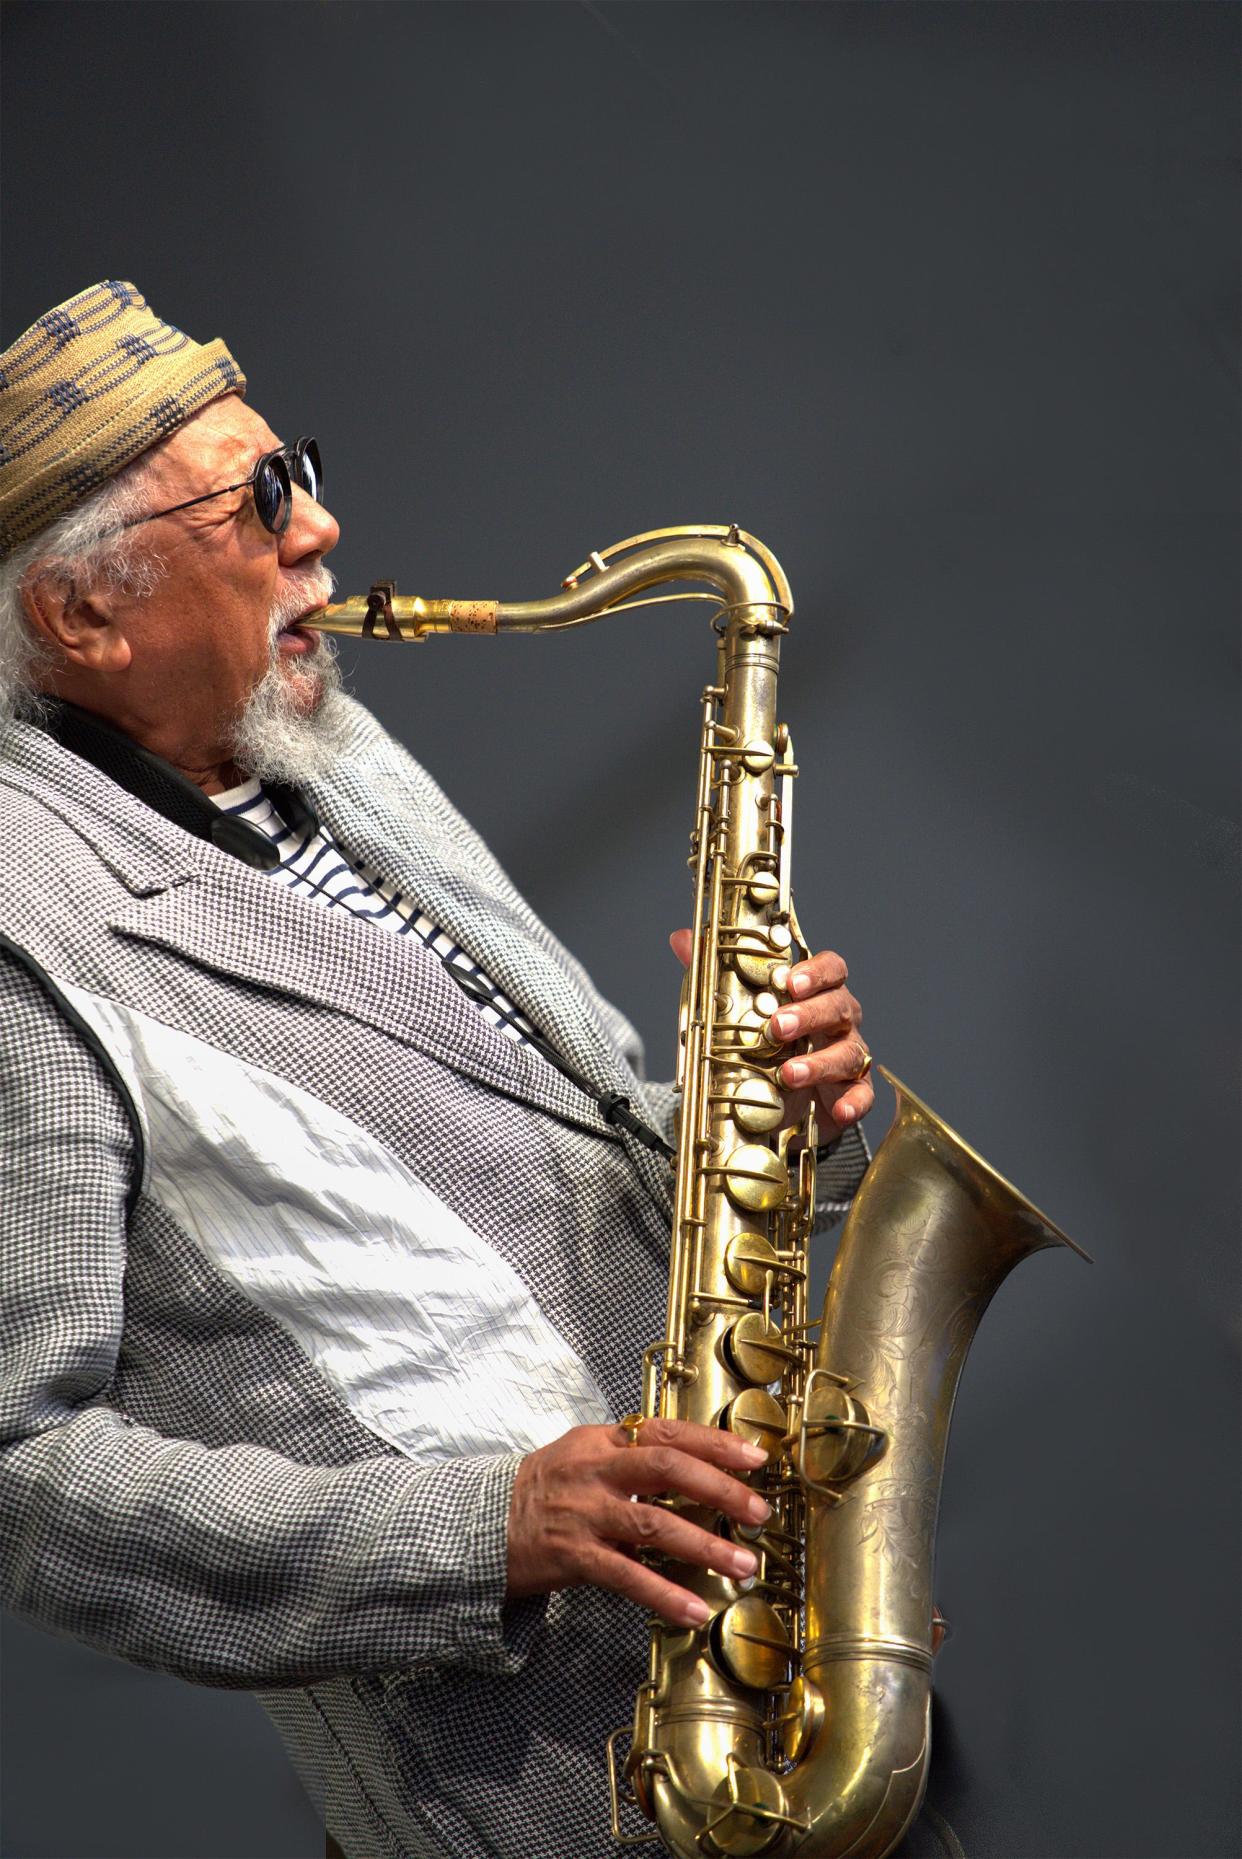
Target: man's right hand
{"type": "Point", "coordinates": [572, 1523]}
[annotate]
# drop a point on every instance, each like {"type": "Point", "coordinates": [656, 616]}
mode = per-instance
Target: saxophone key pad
{"type": "Point", "coordinates": [755, 1178]}
{"type": "Point", "coordinates": [756, 1105]}
{"type": "Point", "coordinates": [750, 1031]}
{"type": "Point", "coordinates": [757, 1416]}
{"type": "Point", "coordinates": [750, 1642]}
{"type": "Point", "coordinates": [755, 1349]}
{"type": "Point", "coordinates": [749, 1815]}
{"type": "Point", "coordinates": [757, 757]}
{"type": "Point", "coordinates": [750, 1260]}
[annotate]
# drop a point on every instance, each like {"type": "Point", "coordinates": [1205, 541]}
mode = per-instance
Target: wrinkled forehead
{"type": "Point", "coordinates": [222, 441]}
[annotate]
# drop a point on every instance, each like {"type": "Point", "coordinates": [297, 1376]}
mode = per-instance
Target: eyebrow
{"type": "Point", "coordinates": [245, 458]}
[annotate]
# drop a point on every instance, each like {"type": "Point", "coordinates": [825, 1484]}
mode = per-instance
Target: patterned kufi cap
{"type": "Point", "coordinates": [85, 390]}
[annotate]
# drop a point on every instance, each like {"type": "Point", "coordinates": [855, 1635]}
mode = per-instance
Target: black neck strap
{"type": "Point", "coordinates": [155, 782]}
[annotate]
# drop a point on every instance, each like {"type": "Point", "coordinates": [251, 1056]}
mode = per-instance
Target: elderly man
{"type": "Point", "coordinates": [323, 1282]}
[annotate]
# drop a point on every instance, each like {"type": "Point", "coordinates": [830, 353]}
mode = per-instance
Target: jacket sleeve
{"type": "Point", "coordinates": [840, 1167]}
{"type": "Point", "coordinates": [226, 1565]}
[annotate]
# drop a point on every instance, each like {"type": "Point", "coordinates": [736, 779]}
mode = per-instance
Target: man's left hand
{"type": "Point", "coordinates": [820, 1007]}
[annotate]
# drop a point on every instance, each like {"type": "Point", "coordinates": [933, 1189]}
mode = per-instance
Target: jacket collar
{"type": "Point", "coordinates": [160, 786]}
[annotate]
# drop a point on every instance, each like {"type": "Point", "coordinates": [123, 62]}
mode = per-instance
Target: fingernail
{"type": "Point", "coordinates": [743, 1562]}
{"type": "Point", "coordinates": [848, 1113]}
{"type": "Point", "coordinates": [753, 1455]}
{"type": "Point", "coordinates": [758, 1511]}
{"type": "Point", "coordinates": [783, 1024]}
{"type": "Point", "coordinates": [697, 1612]}
{"type": "Point", "coordinates": [794, 1071]}
{"type": "Point", "coordinates": [799, 985]}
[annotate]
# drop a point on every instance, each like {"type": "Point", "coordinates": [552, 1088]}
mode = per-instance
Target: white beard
{"type": "Point", "coordinates": [295, 724]}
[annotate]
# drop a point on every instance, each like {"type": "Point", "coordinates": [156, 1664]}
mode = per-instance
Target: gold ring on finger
{"type": "Point", "coordinates": [865, 1067]}
{"type": "Point", "coordinates": [630, 1426]}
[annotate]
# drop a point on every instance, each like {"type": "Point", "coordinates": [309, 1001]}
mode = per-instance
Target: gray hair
{"type": "Point", "coordinates": [87, 547]}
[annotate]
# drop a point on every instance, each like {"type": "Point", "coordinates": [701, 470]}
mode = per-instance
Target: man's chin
{"type": "Point", "coordinates": [295, 724]}
{"type": "Point", "coordinates": [305, 684]}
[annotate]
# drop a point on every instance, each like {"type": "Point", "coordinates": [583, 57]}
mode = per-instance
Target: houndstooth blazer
{"type": "Point", "coordinates": [180, 1482]}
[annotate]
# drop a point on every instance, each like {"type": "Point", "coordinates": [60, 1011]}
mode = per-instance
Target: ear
{"type": "Point", "coordinates": [79, 626]}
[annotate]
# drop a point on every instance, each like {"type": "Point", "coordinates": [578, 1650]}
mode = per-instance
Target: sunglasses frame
{"type": "Point", "coordinates": [304, 454]}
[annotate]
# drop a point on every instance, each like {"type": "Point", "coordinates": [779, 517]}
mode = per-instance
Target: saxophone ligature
{"type": "Point", "coordinates": [796, 1721]}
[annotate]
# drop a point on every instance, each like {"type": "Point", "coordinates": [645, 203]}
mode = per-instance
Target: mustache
{"type": "Point", "coordinates": [297, 593]}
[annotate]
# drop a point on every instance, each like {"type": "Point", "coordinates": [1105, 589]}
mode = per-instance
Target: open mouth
{"type": "Point", "coordinates": [297, 635]}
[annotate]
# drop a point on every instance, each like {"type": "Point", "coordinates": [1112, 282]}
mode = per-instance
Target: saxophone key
{"type": "Point", "coordinates": [756, 1105]}
{"type": "Point", "coordinates": [837, 1440]}
{"type": "Point", "coordinates": [757, 1416]}
{"type": "Point", "coordinates": [798, 1724]}
{"type": "Point", "coordinates": [750, 1261]}
{"type": "Point", "coordinates": [755, 1179]}
{"type": "Point", "coordinates": [756, 956]}
{"type": "Point", "coordinates": [749, 1815]}
{"type": "Point", "coordinates": [754, 1349]}
{"type": "Point", "coordinates": [750, 1643]}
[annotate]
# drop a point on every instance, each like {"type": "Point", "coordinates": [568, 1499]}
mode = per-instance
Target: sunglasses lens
{"type": "Point", "coordinates": [307, 468]}
{"type": "Point", "coordinates": [272, 495]}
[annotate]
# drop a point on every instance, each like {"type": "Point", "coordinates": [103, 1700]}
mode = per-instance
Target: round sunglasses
{"type": "Point", "coordinates": [271, 482]}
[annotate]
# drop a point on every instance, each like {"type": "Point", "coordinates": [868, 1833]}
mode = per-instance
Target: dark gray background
{"type": "Point", "coordinates": [939, 301]}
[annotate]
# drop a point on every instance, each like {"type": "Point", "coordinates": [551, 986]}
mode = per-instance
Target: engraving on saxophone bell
{"type": "Point", "coordinates": [755, 1178]}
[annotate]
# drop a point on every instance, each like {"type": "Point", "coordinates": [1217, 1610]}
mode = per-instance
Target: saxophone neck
{"type": "Point", "coordinates": [749, 589]}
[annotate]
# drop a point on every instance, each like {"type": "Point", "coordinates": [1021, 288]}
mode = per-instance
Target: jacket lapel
{"type": "Point", "coordinates": [236, 922]}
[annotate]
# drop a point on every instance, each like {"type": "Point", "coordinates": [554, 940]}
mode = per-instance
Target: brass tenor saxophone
{"type": "Point", "coordinates": [796, 1722]}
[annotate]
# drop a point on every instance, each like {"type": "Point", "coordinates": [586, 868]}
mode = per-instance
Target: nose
{"type": "Point", "coordinates": [312, 530]}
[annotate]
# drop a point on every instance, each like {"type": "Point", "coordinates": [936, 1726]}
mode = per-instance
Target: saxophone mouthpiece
{"type": "Point", "coordinates": [384, 614]}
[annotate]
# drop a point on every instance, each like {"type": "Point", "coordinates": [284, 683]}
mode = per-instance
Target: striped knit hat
{"type": "Point", "coordinates": [85, 390]}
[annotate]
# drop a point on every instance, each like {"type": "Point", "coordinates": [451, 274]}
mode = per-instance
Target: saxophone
{"type": "Point", "coordinates": [796, 1721]}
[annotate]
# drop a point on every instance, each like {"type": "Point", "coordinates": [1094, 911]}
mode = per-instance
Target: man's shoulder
{"type": "Point", "coordinates": [62, 822]}
{"type": "Point", "coordinates": [372, 755]}
{"type": "Point", "coordinates": [378, 785]}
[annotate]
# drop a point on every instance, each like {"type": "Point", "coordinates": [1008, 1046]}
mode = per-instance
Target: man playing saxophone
{"type": "Point", "coordinates": [336, 1204]}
